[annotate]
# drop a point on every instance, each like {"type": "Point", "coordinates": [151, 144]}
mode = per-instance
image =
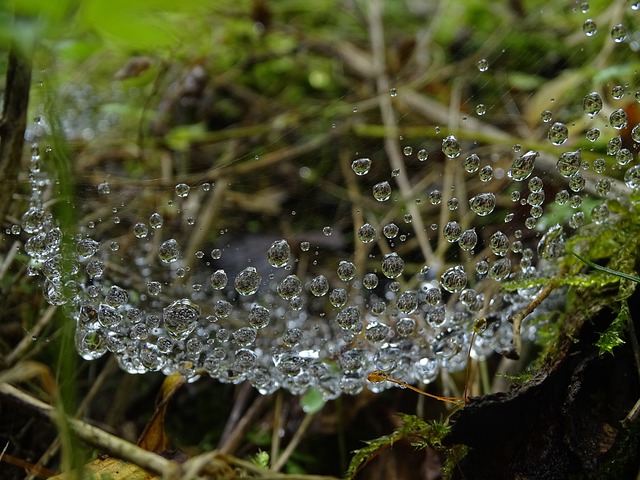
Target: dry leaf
{"type": "Point", "coordinates": [154, 438]}
{"type": "Point", "coordinates": [112, 468]}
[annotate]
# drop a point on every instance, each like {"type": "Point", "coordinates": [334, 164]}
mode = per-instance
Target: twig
{"type": "Point", "coordinates": [231, 438]}
{"type": "Point", "coordinates": [294, 442]}
{"type": "Point", "coordinates": [97, 437]}
{"type": "Point", "coordinates": [517, 318]}
{"type": "Point", "coordinates": [277, 426]}
{"type": "Point", "coordinates": [390, 140]}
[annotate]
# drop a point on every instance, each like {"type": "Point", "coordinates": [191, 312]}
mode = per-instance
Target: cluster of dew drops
{"type": "Point", "coordinates": [275, 329]}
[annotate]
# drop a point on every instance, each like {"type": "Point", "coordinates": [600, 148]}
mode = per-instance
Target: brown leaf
{"type": "Point", "coordinates": [112, 468]}
{"type": "Point", "coordinates": [154, 438]}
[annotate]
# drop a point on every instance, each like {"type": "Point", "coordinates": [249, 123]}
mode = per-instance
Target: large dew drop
{"type": "Point", "coordinates": [169, 251]}
{"type": "Point", "coordinates": [392, 265]}
{"type": "Point", "coordinates": [522, 167]}
{"type": "Point", "coordinates": [592, 103]}
{"type": "Point", "coordinates": [454, 279]}
{"type": "Point", "coordinates": [279, 253]}
{"type": "Point", "coordinates": [558, 133]}
{"type": "Point", "coordinates": [180, 318]}
{"type": "Point", "coordinates": [483, 204]}
{"type": "Point", "coordinates": [451, 147]}
{"type": "Point", "coordinates": [247, 281]}
{"type": "Point", "coordinates": [290, 287]}
{"type": "Point", "coordinates": [382, 191]}
{"type": "Point", "coordinates": [361, 166]}
{"type": "Point", "coordinates": [569, 163]}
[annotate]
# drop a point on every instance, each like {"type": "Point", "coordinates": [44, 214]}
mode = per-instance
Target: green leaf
{"type": "Point", "coordinates": [312, 401]}
{"type": "Point", "coordinates": [612, 336]}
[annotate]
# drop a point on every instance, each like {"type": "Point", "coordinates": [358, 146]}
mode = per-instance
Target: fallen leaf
{"type": "Point", "coordinates": [154, 438]}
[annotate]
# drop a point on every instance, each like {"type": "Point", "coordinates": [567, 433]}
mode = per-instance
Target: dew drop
{"type": "Point", "coordinates": [569, 163]}
{"type": "Point", "coordinates": [558, 133]}
{"type": "Point", "coordinates": [468, 240]}
{"type": "Point", "coordinates": [361, 166]}
{"type": "Point", "coordinates": [346, 271]}
{"type": "Point", "coordinates": [618, 119]}
{"type": "Point", "coordinates": [452, 231]}
{"type": "Point", "coordinates": [451, 147]}
{"type": "Point", "coordinates": [140, 230]}
{"type": "Point", "coordinates": [618, 33]}
{"type": "Point", "coordinates": [483, 65]}
{"type": "Point", "coordinates": [632, 177]}
{"type": "Point", "coordinates": [483, 204]}
{"type": "Point", "coordinates": [370, 281]}
{"type": "Point", "coordinates": [180, 318]}
{"type": "Point", "coordinates": [382, 191]}
{"type": "Point", "coordinates": [366, 233]}
{"type": "Point", "coordinates": [289, 287]}
{"type": "Point", "coordinates": [522, 167]}
{"type": "Point", "coordinates": [168, 252]}
{"type": "Point", "coordinates": [454, 279]}
{"type": "Point", "coordinates": [592, 134]}
{"type": "Point", "coordinates": [247, 281]}
{"type": "Point", "coordinates": [589, 27]}
{"type": "Point", "coordinates": [279, 253]}
{"type": "Point", "coordinates": [319, 286]}
{"type": "Point", "coordinates": [422, 155]}
{"type": "Point", "coordinates": [182, 190]}
{"type": "Point", "coordinates": [592, 103]}
{"type": "Point", "coordinates": [392, 265]}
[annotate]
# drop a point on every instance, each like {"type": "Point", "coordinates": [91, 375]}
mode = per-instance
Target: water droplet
{"type": "Point", "coordinates": [216, 253]}
{"type": "Point", "coordinates": [546, 116]}
{"type": "Point", "coordinates": [154, 288]}
{"type": "Point", "coordinates": [407, 302]}
{"type": "Point", "coordinates": [522, 167]}
{"type": "Point", "coordinates": [471, 163]}
{"type": "Point", "coordinates": [435, 197]}
{"type": "Point", "coordinates": [483, 204]}
{"type": "Point", "coordinates": [361, 166]}
{"type": "Point", "coordinates": [289, 287]}
{"type": "Point", "coordinates": [618, 119]}
{"type": "Point", "coordinates": [483, 65]}
{"type": "Point", "coordinates": [617, 92]}
{"type": "Point", "coordinates": [348, 318]}
{"type": "Point", "coordinates": [108, 316]}
{"type": "Point", "coordinates": [366, 233]}
{"type": "Point", "coordinates": [589, 27]}
{"type": "Point", "coordinates": [168, 252]}
{"type": "Point", "coordinates": [338, 297]}
{"type": "Point", "coordinates": [486, 173]}
{"type": "Point", "coordinates": [319, 286]}
{"type": "Point", "coordinates": [632, 177]}
{"type": "Point", "coordinates": [393, 92]}
{"type": "Point", "coordinates": [140, 230]}
{"type": "Point", "coordinates": [481, 109]}
{"type": "Point", "coordinates": [551, 245]}
{"type": "Point", "coordinates": [370, 281]}
{"type": "Point", "coordinates": [382, 191]}
{"type": "Point", "coordinates": [86, 248]}
{"type": "Point", "coordinates": [592, 134]}
{"type": "Point", "coordinates": [454, 279]}
{"type": "Point", "coordinates": [376, 332]}
{"type": "Point", "coordinates": [259, 316]}
{"type": "Point", "coordinates": [182, 190]}
{"type": "Point", "coordinates": [116, 296]}
{"type": "Point", "coordinates": [407, 151]}
{"type": "Point", "coordinates": [451, 147]}
{"type": "Point", "coordinates": [279, 253]}
{"type": "Point", "coordinates": [346, 271]}
{"type": "Point", "coordinates": [592, 103]}
{"type": "Point", "coordinates": [156, 220]}
{"type": "Point", "coordinates": [569, 163]}
{"type": "Point", "coordinates": [452, 231]}
{"type": "Point", "coordinates": [500, 269]}
{"type": "Point", "coordinates": [624, 156]}
{"type": "Point", "coordinates": [558, 133]}
{"type": "Point", "coordinates": [600, 213]}
{"type": "Point", "coordinates": [392, 265]}
{"type": "Point", "coordinates": [104, 189]}
{"type": "Point", "coordinates": [327, 231]}
{"type": "Point", "coordinates": [422, 155]}
{"type": "Point", "coordinates": [468, 240]}
{"type": "Point", "coordinates": [614, 145]}
{"type": "Point", "coordinates": [405, 326]}
{"type": "Point", "coordinates": [618, 33]}
{"type": "Point", "coordinates": [603, 187]}
{"type": "Point", "coordinates": [247, 281]}
{"type": "Point", "coordinates": [499, 243]}
{"type": "Point", "coordinates": [390, 231]}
